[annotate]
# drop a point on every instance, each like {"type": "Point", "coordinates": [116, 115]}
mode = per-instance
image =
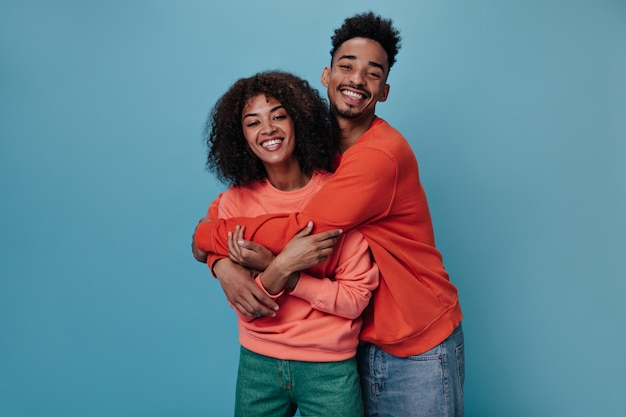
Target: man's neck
{"type": "Point", "coordinates": [351, 130]}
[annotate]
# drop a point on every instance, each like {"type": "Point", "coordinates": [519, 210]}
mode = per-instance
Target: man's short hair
{"type": "Point", "coordinates": [371, 26]}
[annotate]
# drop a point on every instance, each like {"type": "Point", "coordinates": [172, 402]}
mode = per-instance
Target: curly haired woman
{"type": "Point", "coordinates": [268, 138]}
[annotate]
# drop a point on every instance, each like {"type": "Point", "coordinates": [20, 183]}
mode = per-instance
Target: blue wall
{"type": "Point", "coordinates": [516, 111]}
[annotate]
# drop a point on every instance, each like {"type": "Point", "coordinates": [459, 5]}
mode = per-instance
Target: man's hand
{"type": "Point", "coordinates": [247, 253]}
{"type": "Point", "coordinates": [305, 250]}
{"type": "Point", "coordinates": [243, 293]}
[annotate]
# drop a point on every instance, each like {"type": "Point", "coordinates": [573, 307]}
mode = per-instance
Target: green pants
{"type": "Point", "coordinates": [277, 388]}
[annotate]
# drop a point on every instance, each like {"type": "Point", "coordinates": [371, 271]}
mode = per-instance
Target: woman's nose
{"type": "Point", "coordinates": [268, 127]}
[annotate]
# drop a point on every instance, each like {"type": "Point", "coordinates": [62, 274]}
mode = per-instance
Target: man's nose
{"type": "Point", "coordinates": [357, 77]}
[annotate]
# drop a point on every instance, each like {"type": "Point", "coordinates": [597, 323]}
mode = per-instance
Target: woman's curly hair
{"type": "Point", "coordinates": [229, 155]}
{"type": "Point", "coordinates": [371, 26]}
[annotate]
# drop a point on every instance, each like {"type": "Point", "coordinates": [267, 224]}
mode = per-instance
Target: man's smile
{"type": "Point", "coordinates": [353, 93]}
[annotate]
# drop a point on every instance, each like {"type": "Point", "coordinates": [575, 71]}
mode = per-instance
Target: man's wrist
{"type": "Point", "coordinates": [215, 266]}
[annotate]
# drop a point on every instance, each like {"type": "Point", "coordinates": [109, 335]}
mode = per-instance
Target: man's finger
{"type": "Point", "coordinates": [256, 309]}
{"type": "Point", "coordinates": [259, 303]}
{"type": "Point", "coordinates": [329, 235]}
{"type": "Point", "coordinates": [243, 310]}
{"type": "Point", "coordinates": [265, 303]}
{"type": "Point", "coordinates": [306, 230]}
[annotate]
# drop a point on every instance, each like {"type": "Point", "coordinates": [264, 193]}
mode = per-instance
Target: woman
{"type": "Point", "coordinates": [268, 139]}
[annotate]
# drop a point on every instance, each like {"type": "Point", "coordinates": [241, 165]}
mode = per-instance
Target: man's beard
{"type": "Point", "coordinates": [346, 114]}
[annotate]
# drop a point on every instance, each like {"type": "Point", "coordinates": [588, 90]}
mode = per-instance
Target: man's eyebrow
{"type": "Point", "coordinates": [377, 65]}
{"type": "Point", "coordinates": [351, 57]}
{"type": "Point", "coordinates": [372, 63]}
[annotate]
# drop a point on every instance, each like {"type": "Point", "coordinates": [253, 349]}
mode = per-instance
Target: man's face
{"type": "Point", "coordinates": [356, 81]}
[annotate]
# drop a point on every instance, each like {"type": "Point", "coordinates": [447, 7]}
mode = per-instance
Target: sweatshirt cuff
{"type": "Point", "coordinates": [260, 285]}
{"type": "Point", "coordinates": [211, 259]}
{"type": "Point", "coordinates": [202, 236]}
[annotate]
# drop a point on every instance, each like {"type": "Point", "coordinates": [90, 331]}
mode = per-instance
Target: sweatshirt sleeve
{"type": "Point", "coordinates": [356, 276]}
{"type": "Point", "coordinates": [359, 192]}
{"type": "Point", "coordinates": [213, 215]}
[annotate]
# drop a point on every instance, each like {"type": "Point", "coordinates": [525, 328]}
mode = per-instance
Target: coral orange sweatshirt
{"type": "Point", "coordinates": [320, 320]}
{"type": "Point", "coordinates": [375, 189]}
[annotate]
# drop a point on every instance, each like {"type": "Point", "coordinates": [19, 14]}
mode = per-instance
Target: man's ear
{"type": "Point", "coordinates": [384, 94]}
{"type": "Point", "coordinates": [325, 79]}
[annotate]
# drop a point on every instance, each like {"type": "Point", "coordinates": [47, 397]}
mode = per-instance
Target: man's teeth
{"type": "Point", "coordinates": [352, 94]}
{"type": "Point", "coordinates": [271, 143]}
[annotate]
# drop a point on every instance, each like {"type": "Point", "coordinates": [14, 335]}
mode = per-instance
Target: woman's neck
{"type": "Point", "coordinates": [287, 178]}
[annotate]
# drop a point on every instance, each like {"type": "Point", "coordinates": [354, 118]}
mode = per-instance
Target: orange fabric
{"type": "Point", "coordinates": [376, 189]}
{"type": "Point", "coordinates": [320, 320]}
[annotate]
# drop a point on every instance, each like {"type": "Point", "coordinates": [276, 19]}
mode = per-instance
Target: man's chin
{"type": "Point", "coordinates": [347, 113]}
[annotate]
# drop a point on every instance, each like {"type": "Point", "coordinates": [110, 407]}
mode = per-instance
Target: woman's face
{"type": "Point", "coordinates": [268, 129]}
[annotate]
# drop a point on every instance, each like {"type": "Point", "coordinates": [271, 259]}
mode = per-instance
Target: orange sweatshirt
{"type": "Point", "coordinates": [376, 189]}
{"type": "Point", "coordinates": [320, 320]}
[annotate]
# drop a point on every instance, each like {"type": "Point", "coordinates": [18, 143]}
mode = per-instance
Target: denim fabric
{"type": "Point", "coordinates": [426, 385]}
{"type": "Point", "coordinates": [276, 388]}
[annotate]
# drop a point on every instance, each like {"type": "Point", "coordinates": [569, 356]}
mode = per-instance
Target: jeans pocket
{"type": "Point", "coordinates": [460, 361]}
{"type": "Point", "coordinates": [430, 355]}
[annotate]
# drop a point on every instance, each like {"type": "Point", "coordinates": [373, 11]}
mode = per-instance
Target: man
{"type": "Point", "coordinates": [411, 359]}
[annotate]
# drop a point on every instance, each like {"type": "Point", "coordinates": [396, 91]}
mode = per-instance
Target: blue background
{"type": "Point", "coordinates": [516, 111]}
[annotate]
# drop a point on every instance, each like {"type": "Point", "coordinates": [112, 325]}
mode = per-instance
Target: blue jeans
{"type": "Point", "coordinates": [426, 385]}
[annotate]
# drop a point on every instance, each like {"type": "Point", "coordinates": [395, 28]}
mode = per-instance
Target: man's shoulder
{"type": "Point", "coordinates": [381, 127]}
{"type": "Point", "coordinates": [382, 136]}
